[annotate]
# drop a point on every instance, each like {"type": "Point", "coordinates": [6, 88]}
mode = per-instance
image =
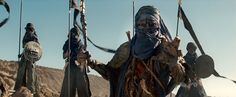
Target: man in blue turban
{"type": "Point", "coordinates": [148, 64]}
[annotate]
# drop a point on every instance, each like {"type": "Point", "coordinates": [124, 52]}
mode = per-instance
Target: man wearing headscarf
{"type": "Point", "coordinates": [30, 34]}
{"type": "Point", "coordinates": [75, 76]}
{"type": "Point", "coordinates": [25, 74]}
{"type": "Point", "coordinates": [195, 87]}
{"type": "Point", "coordinates": [144, 66]}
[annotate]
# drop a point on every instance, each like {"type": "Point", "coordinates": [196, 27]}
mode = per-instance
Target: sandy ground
{"type": "Point", "coordinates": [49, 82]}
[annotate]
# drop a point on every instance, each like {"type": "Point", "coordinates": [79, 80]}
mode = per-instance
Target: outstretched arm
{"type": "Point", "coordinates": [121, 55]}
{"type": "Point", "coordinates": [101, 68]}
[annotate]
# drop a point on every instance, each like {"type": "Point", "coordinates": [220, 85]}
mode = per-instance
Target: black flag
{"type": "Point", "coordinates": [4, 3]}
{"type": "Point", "coordinates": [102, 48]}
{"type": "Point", "coordinates": [189, 27]}
{"type": "Point", "coordinates": [74, 5]}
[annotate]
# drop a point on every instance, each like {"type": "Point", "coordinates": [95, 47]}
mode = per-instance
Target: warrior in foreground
{"type": "Point", "coordinates": [147, 66]}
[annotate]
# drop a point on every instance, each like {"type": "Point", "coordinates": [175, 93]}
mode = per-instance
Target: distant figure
{"type": "Point", "coordinates": [25, 74]}
{"type": "Point", "coordinates": [75, 77]}
{"type": "Point", "coordinates": [30, 34]}
{"type": "Point", "coordinates": [195, 87]}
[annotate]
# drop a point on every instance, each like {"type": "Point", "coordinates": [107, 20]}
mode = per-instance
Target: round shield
{"type": "Point", "coordinates": [204, 66]}
{"type": "Point", "coordinates": [32, 51]}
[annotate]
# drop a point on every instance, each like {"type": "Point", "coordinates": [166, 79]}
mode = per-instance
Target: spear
{"type": "Point", "coordinates": [21, 11]}
{"type": "Point", "coordinates": [133, 16]}
{"type": "Point", "coordinates": [84, 26]}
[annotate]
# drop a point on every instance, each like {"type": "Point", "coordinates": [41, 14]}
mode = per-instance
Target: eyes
{"type": "Point", "coordinates": [147, 24]}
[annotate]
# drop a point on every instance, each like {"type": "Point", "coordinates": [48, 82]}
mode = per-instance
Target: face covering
{"type": "Point", "coordinates": [144, 43]}
{"type": "Point", "coordinates": [147, 36]}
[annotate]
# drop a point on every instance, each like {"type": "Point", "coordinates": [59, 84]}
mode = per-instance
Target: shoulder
{"type": "Point", "coordinates": [121, 55]}
{"type": "Point", "coordinates": [123, 49]}
{"type": "Point", "coordinates": [124, 45]}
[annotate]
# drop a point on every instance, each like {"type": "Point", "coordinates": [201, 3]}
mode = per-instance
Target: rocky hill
{"type": "Point", "coordinates": [49, 81]}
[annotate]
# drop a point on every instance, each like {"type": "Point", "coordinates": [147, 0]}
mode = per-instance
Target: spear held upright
{"type": "Point", "coordinates": [84, 26]}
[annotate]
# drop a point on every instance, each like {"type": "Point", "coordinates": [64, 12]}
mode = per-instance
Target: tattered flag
{"type": "Point", "coordinates": [188, 26]}
{"type": "Point", "coordinates": [215, 73]}
{"type": "Point", "coordinates": [6, 6]}
{"type": "Point", "coordinates": [99, 47]}
{"type": "Point", "coordinates": [74, 5]}
{"type": "Point", "coordinates": [102, 48]}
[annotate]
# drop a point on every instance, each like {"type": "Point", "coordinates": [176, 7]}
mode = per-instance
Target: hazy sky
{"type": "Point", "coordinates": [214, 22]}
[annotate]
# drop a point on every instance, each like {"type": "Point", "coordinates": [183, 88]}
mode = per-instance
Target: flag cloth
{"type": "Point", "coordinates": [102, 48]}
{"type": "Point", "coordinates": [6, 6]}
{"type": "Point", "coordinates": [188, 26]}
{"type": "Point", "coordinates": [215, 73]}
{"type": "Point", "coordinates": [74, 5]}
{"type": "Point", "coordinates": [99, 47]}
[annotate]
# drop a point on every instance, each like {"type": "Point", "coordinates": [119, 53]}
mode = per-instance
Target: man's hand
{"type": "Point", "coordinates": [19, 56]}
{"type": "Point", "coordinates": [92, 63]}
{"type": "Point", "coordinates": [83, 57]}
